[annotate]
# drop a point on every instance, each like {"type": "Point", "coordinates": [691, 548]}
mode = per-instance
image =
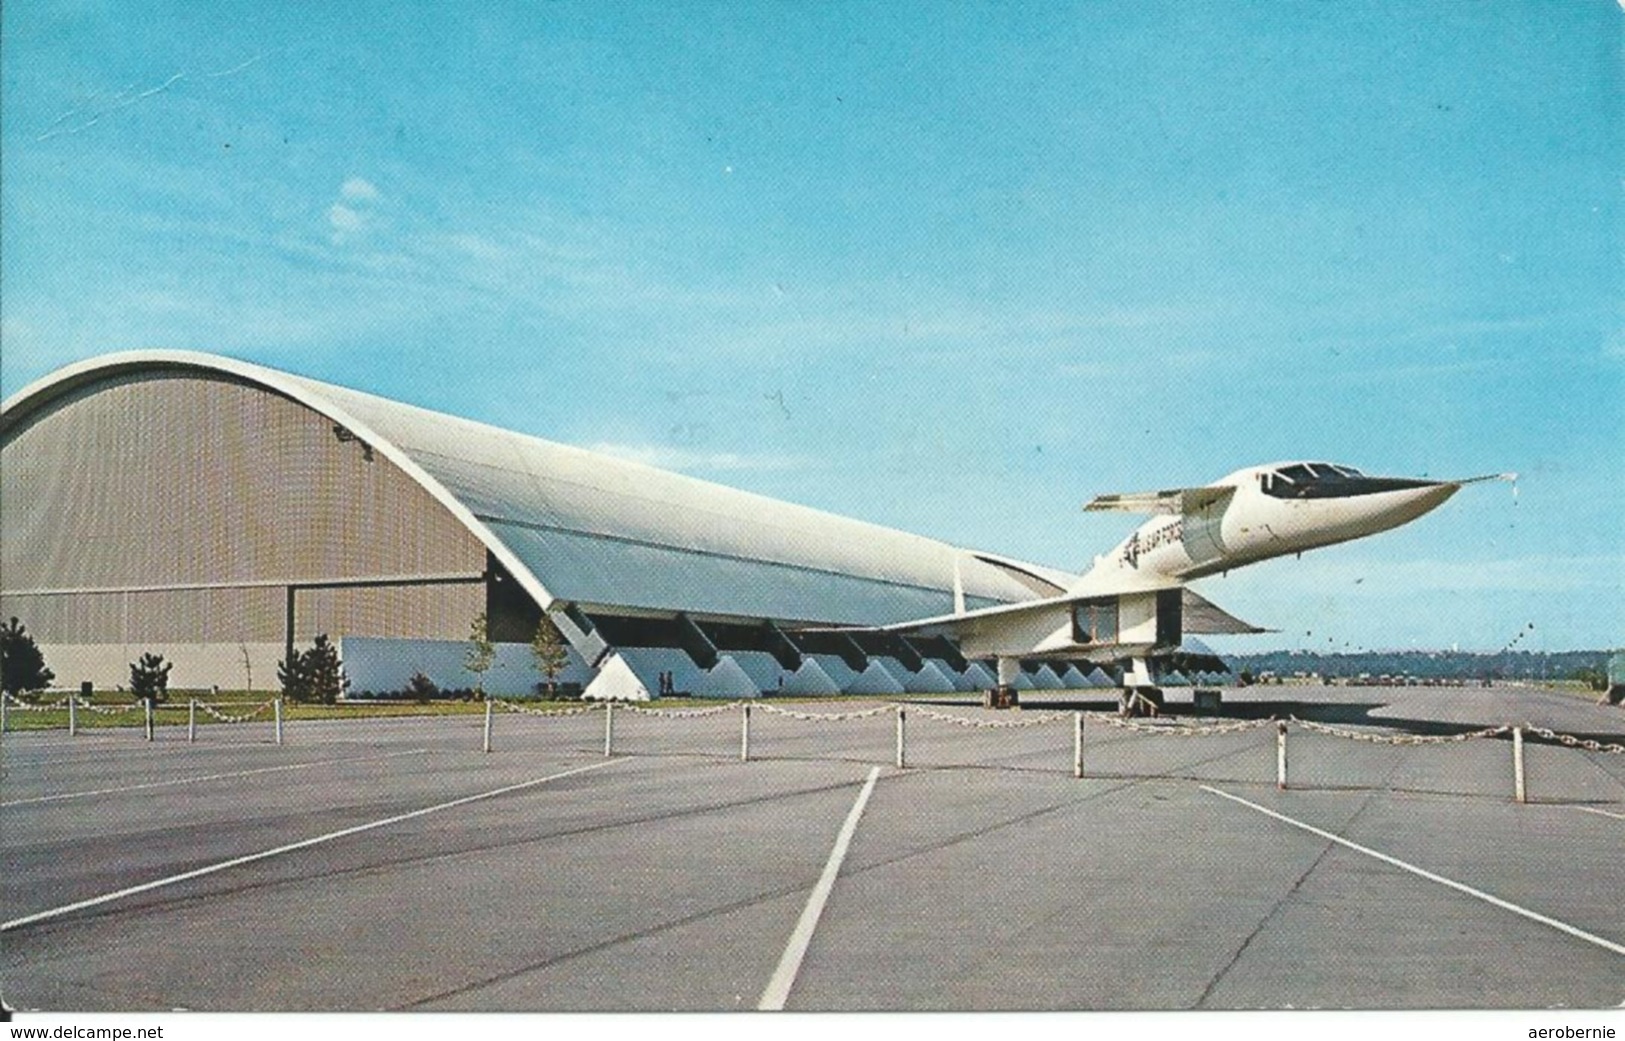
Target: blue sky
{"type": "Point", "coordinates": [951, 267]}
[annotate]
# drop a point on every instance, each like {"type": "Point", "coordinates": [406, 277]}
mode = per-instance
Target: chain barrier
{"type": "Point", "coordinates": [28, 706]}
{"type": "Point", "coordinates": [686, 713]}
{"type": "Point", "coordinates": [526, 710]}
{"type": "Point", "coordinates": [1575, 742]}
{"type": "Point", "coordinates": [1398, 739]}
{"type": "Point", "coordinates": [109, 710]}
{"type": "Point", "coordinates": [214, 712]}
{"type": "Point", "coordinates": [989, 724]}
{"type": "Point", "coordinates": [827, 717]}
{"type": "Point", "coordinates": [1163, 728]}
{"type": "Point", "coordinates": [1177, 729]}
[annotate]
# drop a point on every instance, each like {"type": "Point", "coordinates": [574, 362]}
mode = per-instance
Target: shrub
{"type": "Point", "coordinates": [421, 688]}
{"type": "Point", "coordinates": [315, 675]}
{"type": "Point", "coordinates": [290, 672]}
{"type": "Point", "coordinates": [325, 672]}
{"type": "Point", "coordinates": [149, 678]}
{"type": "Point", "coordinates": [22, 665]}
{"type": "Point", "coordinates": [1593, 677]}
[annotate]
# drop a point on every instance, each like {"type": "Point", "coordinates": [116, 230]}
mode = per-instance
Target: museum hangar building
{"type": "Point", "coordinates": [219, 512]}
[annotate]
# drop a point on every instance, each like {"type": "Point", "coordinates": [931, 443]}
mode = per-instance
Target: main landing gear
{"type": "Point", "coordinates": [1004, 695]}
{"type": "Point", "coordinates": [1000, 697]}
{"type": "Point", "coordinates": [1139, 701]}
{"type": "Point", "coordinates": [1140, 696]}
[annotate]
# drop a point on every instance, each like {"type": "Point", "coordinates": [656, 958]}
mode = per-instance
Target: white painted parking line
{"type": "Point", "coordinates": [206, 777]}
{"type": "Point", "coordinates": [57, 912]}
{"type": "Point", "coordinates": [784, 977]}
{"type": "Point", "coordinates": [1506, 905]}
{"type": "Point", "coordinates": [1601, 813]}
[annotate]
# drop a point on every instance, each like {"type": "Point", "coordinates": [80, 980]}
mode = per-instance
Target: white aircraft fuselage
{"type": "Point", "coordinates": [1133, 602]}
{"type": "Point", "coordinates": [1268, 514]}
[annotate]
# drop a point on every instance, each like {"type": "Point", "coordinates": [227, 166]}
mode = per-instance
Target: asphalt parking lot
{"type": "Point", "coordinates": [390, 864]}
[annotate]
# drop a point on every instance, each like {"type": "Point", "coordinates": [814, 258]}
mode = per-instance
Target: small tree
{"type": "Point", "coordinates": [149, 678]}
{"type": "Point", "coordinates": [22, 665]}
{"type": "Point", "coordinates": [324, 673]}
{"type": "Point", "coordinates": [421, 688]}
{"type": "Point", "coordinates": [550, 652]}
{"type": "Point", "coordinates": [481, 653]}
{"type": "Point", "coordinates": [291, 673]}
{"type": "Point", "coordinates": [315, 675]}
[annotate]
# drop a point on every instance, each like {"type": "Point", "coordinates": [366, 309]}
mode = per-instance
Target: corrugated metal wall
{"type": "Point", "coordinates": [171, 480]}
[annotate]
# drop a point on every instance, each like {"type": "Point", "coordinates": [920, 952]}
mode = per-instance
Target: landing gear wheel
{"type": "Point", "coordinates": [1000, 697]}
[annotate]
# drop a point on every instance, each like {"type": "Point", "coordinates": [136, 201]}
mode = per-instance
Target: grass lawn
{"type": "Point", "coordinates": [118, 710]}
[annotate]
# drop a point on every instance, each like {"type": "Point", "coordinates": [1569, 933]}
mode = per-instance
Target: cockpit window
{"type": "Point", "coordinates": [1311, 480]}
{"type": "Point", "coordinates": [1300, 474]}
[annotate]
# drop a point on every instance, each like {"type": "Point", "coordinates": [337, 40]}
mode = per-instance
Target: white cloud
{"type": "Point", "coordinates": [479, 247]}
{"type": "Point", "coordinates": [355, 211]}
{"type": "Point", "coordinates": [344, 219]}
{"type": "Point", "coordinates": [359, 189]}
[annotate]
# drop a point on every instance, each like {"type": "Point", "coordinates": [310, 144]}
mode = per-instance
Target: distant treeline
{"type": "Point", "coordinates": [1522, 665]}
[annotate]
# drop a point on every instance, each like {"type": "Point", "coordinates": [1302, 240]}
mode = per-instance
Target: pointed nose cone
{"type": "Point", "coordinates": [1399, 506]}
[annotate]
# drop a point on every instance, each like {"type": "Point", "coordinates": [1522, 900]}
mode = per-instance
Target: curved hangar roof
{"type": "Point", "coordinates": [601, 531]}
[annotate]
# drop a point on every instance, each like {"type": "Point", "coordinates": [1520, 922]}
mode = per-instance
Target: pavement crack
{"type": "Point", "coordinates": [1031, 815]}
{"type": "Point", "coordinates": [1275, 910]}
{"type": "Point", "coordinates": [1219, 976]}
{"type": "Point", "coordinates": [604, 945]}
{"type": "Point", "coordinates": [1597, 762]}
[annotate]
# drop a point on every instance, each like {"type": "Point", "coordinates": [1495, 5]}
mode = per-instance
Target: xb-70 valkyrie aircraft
{"type": "Point", "coordinates": [1134, 603]}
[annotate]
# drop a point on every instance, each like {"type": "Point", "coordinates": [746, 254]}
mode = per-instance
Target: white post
{"type": "Point", "coordinates": [73, 715]}
{"type": "Point", "coordinates": [1517, 764]}
{"type": "Point", "coordinates": [902, 758]}
{"type": "Point", "coordinates": [276, 711]}
{"type": "Point", "coordinates": [147, 703]}
{"type": "Point", "coordinates": [609, 728]}
{"type": "Point", "coordinates": [744, 733]}
{"type": "Point", "coordinates": [486, 746]}
{"type": "Point", "coordinates": [1280, 754]}
{"type": "Point", "coordinates": [191, 720]}
{"type": "Point", "coordinates": [1077, 744]}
